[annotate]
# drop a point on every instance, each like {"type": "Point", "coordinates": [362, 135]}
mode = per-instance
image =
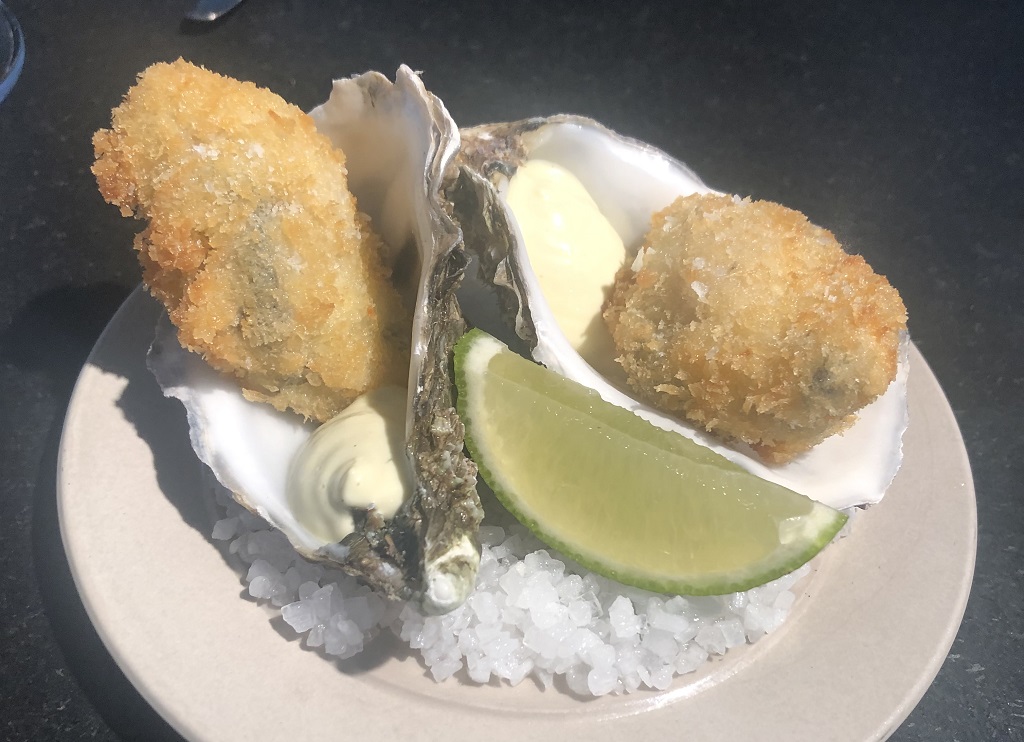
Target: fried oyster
{"type": "Point", "coordinates": [254, 243]}
{"type": "Point", "coordinates": [754, 324]}
{"type": "Point", "coordinates": [266, 268]}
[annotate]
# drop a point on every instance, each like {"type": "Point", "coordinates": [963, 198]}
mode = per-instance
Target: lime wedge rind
{"type": "Point", "coordinates": [800, 538]}
{"type": "Point", "coordinates": [709, 584]}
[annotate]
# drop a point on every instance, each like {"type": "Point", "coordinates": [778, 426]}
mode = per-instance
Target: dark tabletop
{"type": "Point", "coordinates": [899, 126]}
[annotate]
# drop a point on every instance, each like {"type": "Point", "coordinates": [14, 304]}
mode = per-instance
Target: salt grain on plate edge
{"type": "Point", "coordinates": [533, 613]}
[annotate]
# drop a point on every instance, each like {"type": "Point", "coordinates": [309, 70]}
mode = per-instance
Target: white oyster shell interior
{"type": "Point", "coordinates": [247, 445]}
{"type": "Point", "coordinates": [629, 181]}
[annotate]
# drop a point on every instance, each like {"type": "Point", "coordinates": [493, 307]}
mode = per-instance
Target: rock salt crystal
{"type": "Point", "coordinates": [225, 528]}
{"type": "Point", "coordinates": [532, 615]}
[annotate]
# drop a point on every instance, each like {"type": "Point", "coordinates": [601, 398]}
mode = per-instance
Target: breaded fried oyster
{"type": "Point", "coordinates": [254, 243]}
{"type": "Point", "coordinates": [752, 322]}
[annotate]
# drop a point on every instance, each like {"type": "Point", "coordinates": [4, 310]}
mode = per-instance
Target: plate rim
{"type": "Point", "coordinates": [140, 677]}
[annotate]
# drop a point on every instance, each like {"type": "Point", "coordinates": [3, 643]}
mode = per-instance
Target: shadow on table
{"type": "Point", "coordinates": [53, 336]}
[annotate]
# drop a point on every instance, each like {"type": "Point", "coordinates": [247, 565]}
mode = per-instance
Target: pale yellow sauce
{"type": "Point", "coordinates": [355, 460]}
{"type": "Point", "coordinates": [575, 253]}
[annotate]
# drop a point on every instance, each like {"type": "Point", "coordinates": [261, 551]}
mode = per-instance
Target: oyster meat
{"type": "Point", "coordinates": [630, 181]}
{"type": "Point", "coordinates": [399, 143]}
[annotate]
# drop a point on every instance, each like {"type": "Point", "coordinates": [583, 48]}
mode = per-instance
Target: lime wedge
{"type": "Point", "coordinates": [633, 502]}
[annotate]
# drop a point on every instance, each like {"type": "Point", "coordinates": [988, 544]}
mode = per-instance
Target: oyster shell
{"type": "Point", "coordinates": [399, 142]}
{"type": "Point", "coordinates": [629, 181]}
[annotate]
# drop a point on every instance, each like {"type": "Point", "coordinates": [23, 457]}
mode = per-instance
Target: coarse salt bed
{"type": "Point", "coordinates": [533, 614]}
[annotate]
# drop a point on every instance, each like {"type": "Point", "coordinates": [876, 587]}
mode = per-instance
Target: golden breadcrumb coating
{"type": "Point", "coordinates": [254, 243]}
{"type": "Point", "coordinates": [754, 324]}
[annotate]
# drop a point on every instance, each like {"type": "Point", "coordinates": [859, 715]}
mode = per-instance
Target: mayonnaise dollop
{"type": "Point", "coordinates": [354, 460]}
{"type": "Point", "coordinates": [575, 253]}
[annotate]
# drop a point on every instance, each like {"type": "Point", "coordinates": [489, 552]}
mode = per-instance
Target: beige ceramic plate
{"type": "Point", "coordinates": [859, 651]}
